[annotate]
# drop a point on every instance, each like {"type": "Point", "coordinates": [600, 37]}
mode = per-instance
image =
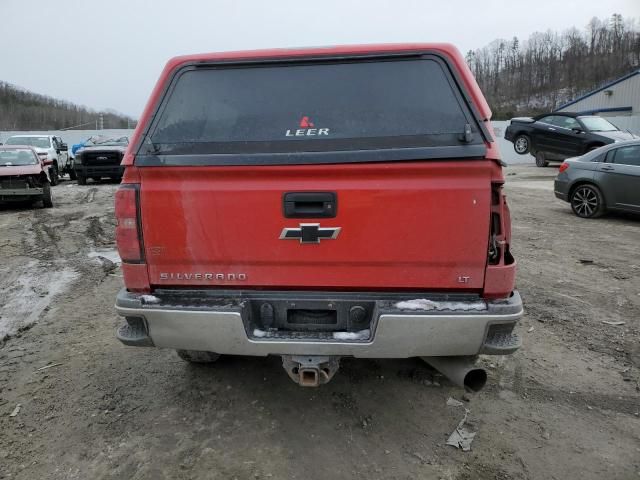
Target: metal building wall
{"type": "Point", "coordinates": [625, 94]}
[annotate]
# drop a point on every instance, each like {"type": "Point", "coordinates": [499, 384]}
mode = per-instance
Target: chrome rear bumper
{"type": "Point", "coordinates": [222, 327]}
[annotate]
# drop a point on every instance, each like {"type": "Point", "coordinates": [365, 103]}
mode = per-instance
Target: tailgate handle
{"type": "Point", "coordinates": [310, 204]}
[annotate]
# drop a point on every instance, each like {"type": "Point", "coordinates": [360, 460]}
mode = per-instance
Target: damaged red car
{"type": "Point", "coordinates": [24, 177]}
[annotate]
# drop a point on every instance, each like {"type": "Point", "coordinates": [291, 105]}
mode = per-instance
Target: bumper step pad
{"type": "Point", "coordinates": [501, 343]}
{"type": "Point", "coordinates": [134, 333]}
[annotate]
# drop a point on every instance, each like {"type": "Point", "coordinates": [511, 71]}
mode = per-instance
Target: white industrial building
{"type": "Point", "coordinates": [618, 98]}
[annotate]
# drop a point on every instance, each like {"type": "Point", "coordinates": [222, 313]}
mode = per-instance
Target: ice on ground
{"type": "Point", "coordinates": [259, 333]}
{"type": "Point", "coordinates": [424, 304]}
{"type": "Point", "coordinates": [361, 335]}
{"type": "Point", "coordinates": [33, 288]}
{"type": "Point", "coordinates": [111, 255]}
{"type": "Point", "coordinates": [149, 299]}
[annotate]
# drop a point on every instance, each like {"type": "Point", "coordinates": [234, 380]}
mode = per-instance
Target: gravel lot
{"type": "Point", "coordinates": [565, 406]}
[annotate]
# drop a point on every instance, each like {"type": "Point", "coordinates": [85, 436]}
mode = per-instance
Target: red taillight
{"type": "Point", "coordinates": [128, 234]}
{"type": "Point", "coordinates": [563, 167]}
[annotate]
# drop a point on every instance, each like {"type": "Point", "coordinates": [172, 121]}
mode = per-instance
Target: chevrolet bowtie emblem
{"type": "Point", "coordinates": [310, 233]}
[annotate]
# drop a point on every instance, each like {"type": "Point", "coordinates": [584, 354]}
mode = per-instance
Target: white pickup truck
{"type": "Point", "coordinates": [51, 149]}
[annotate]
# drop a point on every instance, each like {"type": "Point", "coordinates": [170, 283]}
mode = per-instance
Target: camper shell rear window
{"type": "Point", "coordinates": [330, 111]}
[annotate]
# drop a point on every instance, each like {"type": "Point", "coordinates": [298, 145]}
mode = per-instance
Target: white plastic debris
{"type": "Point", "coordinates": [259, 333]}
{"type": "Point", "coordinates": [615, 324]}
{"type": "Point", "coordinates": [361, 335]}
{"type": "Point", "coordinates": [424, 304]}
{"type": "Point", "coordinates": [110, 254]}
{"type": "Point", "coordinates": [461, 437]}
{"type": "Point", "coordinates": [452, 402]}
{"type": "Point", "coordinates": [51, 365]}
{"type": "Point", "coordinates": [150, 299]}
{"type": "Point", "coordinates": [16, 410]}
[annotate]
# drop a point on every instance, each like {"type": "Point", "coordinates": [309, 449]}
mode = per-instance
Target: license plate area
{"type": "Point", "coordinates": [303, 318]}
{"type": "Point", "coordinates": [305, 315]}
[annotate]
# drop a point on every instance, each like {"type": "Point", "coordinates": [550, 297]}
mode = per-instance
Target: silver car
{"type": "Point", "coordinates": [607, 178]}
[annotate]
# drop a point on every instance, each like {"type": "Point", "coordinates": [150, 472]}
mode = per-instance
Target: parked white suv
{"type": "Point", "coordinates": [51, 149]}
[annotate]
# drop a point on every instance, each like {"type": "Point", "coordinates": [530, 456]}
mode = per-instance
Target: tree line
{"type": "Point", "coordinates": [24, 110]}
{"type": "Point", "coordinates": [549, 69]}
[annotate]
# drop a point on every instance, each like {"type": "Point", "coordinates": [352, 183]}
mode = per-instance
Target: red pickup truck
{"type": "Point", "coordinates": [318, 203]}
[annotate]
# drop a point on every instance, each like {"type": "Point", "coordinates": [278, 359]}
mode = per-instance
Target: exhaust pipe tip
{"type": "Point", "coordinates": [475, 379]}
{"type": "Point", "coordinates": [461, 371]}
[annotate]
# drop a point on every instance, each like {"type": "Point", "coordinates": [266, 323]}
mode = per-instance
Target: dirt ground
{"type": "Point", "coordinates": [565, 406]}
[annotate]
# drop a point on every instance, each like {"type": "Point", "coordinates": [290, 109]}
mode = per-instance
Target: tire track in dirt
{"type": "Point", "coordinates": [53, 246]}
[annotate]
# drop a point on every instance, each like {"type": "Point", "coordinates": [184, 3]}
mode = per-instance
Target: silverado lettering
{"type": "Point", "coordinates": [402, 235]}
{"type": "Point", "coordinates": [203, 276]}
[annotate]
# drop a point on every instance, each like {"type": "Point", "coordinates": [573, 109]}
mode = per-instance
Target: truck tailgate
{"type": "Point", "coordinates": [403, 225]}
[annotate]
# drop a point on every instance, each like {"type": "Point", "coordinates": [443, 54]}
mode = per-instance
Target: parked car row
{"type": "Point", "coordinates": [52, 150]}
{"type": "Point", "coordinates": [600, 168]}
{"type": "Point", "coordinates": [31, 164]}
{"type": "Point", "coordinates": [556, 136]}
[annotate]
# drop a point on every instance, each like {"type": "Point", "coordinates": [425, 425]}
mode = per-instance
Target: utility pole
{"type": "Point", "coordinates": [101, 121]}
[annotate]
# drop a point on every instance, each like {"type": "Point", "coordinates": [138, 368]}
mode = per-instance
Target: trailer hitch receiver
{"type": "Point", "coordinates": [310, 370]}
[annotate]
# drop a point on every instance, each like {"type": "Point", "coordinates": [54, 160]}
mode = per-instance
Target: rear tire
{"type": "Point", "coordinates": [82, 180]}
{"type": "Point", "coordinates": [54, 174]}
{"type": "Point", "coordinates": [522, 144]}
{"type": "Point", "coordinates": [541, 160]}
{"type": "Point", "coordinates": [197, 356]}
{"type": "Point", "coordinates": [47, 198]}
{"type": "Point", "coordinates": [72, 174]}
{"type": "Point", "coordinates": [587, 201]}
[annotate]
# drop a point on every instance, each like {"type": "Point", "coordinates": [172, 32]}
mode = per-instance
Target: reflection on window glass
{"type": "Point", "coordinates": [598, 124]}
{"type": "Point", "coordinates": [313, 107]}
{"type": "Point", "coordinates": [628, 155]}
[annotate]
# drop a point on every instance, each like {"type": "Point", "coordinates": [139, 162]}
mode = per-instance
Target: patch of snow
{"type": "Point", "coordinates": [424, 304]}
{"type": "Point", "coordinates": [111, 255]}
{"type": "Point", "coordinates": [33, 289]}
{"type": "Point", "coordinates": [149, 299]}
{"type": "Point", "coordinates": [361, 335]}
{"type": "Point", "coordinates": [259, 333]}
{"type": "Point", "coordinates": [417, 304]}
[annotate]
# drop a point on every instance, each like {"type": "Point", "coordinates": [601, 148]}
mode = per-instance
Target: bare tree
{"type": "Point", "coordinates": [548, 69]}
{"type": "Point", "coordinates": [23, 110]}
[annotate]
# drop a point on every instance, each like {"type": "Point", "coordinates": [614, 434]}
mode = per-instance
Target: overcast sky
{"type": "Point", "coordinates": [108, 54]}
